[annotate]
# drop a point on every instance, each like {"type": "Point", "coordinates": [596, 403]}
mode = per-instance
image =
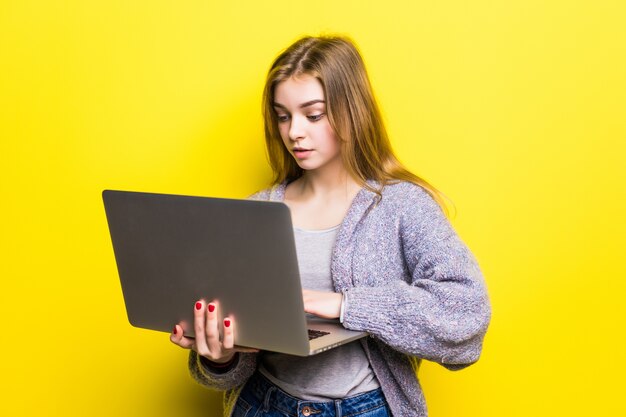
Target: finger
{"type": "Point", "coordinates": [177, 338]}
{"type": "Point", "coordinates": [229, 338]}
{"type": "Point", "coordinates": [211, 327]}
{"type": "Point", "coordinates": [199, 327]}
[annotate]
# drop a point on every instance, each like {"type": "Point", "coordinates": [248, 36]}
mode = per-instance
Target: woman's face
{"type": "Point", "coordinates": [304, 128]}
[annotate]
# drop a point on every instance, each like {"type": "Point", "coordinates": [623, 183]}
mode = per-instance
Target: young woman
{"type": "Point", "coordinates": [375, 250]}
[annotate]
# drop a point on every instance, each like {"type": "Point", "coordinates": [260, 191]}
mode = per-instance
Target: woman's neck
{"type": "Point", "coordinates": [319, 202]}
{"type": "Point", "coordinates": [327, 184]}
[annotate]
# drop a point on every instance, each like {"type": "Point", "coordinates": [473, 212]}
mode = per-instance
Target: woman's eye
{"type": "Point", "coordinates": [282, 118]}
{"type": "Point", "coordinates": [315, 117]}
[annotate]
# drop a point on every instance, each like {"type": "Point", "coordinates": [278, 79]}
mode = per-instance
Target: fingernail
{"type": "Point", "coordinates": [198, 305]}
{"type": "Point", "coordinates": [211, 308]}
{"type": "Point", "coordinates": [226, 323]}
{"type": "Point", "coordinates": [175, 331]}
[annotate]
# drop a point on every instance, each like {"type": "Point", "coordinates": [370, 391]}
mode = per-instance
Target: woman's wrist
{"type": "Point", "coordinates": [343, 306]}
{"type": "Point", "coordinates": [220, 367]}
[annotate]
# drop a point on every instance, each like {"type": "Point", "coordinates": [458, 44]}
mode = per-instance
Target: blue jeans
{"type": "Point", "coordinates": [261, 398]}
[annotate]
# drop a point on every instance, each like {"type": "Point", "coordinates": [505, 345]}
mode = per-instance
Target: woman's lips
{"type": "Point", "coordinates": [302, 153]}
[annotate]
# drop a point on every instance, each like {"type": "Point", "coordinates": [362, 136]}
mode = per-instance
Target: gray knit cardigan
{"type": "Point", "coordinates": [408, 280]}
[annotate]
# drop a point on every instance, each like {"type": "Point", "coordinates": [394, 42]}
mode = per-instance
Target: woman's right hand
{"type": "Point", "coordinates": [207, 342]}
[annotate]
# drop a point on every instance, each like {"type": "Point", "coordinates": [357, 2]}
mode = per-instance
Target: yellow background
{"type": "Point", "coordinates": [515, 109]}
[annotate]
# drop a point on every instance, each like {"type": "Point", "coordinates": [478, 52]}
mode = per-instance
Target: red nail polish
{"type": "Point", "coordinates": [198, 305]}
{"type": "Point", "coordinates": [211, 308]}
{"type": "Point", "coordinates": [226, 323]}
{"type": "Point", "coordinates": [175, 331]}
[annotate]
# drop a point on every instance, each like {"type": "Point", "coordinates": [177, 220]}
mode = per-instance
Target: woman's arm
{"type": "Point", "coordinates": [238, 372]}
{"type": "Point", "coordinates": [442, 311]}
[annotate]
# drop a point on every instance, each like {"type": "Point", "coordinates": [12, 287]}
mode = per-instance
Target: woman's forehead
{"type": "Point", "coordinates": [297, 90]}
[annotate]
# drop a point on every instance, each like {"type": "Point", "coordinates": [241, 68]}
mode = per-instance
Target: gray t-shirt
{"type": "Point", "coordinates": [337, 373]}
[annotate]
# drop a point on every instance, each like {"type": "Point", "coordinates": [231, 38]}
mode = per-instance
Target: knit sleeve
{"type": "Point", "coordinates": [222, 381]}
{"type": "Point", "coordinates": [441, 311]}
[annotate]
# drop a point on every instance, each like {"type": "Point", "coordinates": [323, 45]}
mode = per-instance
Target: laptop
{"type": "Point", "coordinates": [172, 250]}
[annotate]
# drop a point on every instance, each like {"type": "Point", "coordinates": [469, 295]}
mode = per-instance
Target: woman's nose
{"type": "Point", "coordinates": [296, 128]}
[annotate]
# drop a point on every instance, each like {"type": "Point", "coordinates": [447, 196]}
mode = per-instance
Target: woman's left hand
{"type": "Point", "coordinates": [322, 304]}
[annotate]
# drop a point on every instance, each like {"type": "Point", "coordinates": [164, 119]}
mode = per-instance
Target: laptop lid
{"type": "Point", "coordinates": [172, 250]}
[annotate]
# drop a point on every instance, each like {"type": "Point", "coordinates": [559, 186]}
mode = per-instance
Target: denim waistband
{"type": "Point", "coordinates": [268, 395]}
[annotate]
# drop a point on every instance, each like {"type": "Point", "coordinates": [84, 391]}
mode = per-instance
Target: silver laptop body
{"type": "Point", "coordinates": [172, 250]}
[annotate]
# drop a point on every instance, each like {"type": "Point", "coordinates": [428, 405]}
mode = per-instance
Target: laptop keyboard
{"type": "Point", "coordinates": [314, 334]}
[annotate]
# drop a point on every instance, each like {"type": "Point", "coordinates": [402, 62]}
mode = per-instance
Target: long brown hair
{"type": "Point", "coordinates": [352, 113]}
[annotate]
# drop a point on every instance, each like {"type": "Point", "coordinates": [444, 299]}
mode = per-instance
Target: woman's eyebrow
{"type": "Point", "coordinates": [303, 105]}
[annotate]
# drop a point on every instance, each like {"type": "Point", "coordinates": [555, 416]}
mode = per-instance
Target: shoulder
{"type": "Point", "coordinates": [404, 195]}
{"type": "Point", "coordinates": [414, 211]}
{"type": "Point", "coordinates": [273, 193]}
{"type": "Point", "coordinates": [261, 195]}
{"type": "Point", "coordinates": [403, 189]}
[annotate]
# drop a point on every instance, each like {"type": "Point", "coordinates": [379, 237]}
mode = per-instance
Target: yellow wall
{"type": "Point", "coordinates": [515, 109]}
